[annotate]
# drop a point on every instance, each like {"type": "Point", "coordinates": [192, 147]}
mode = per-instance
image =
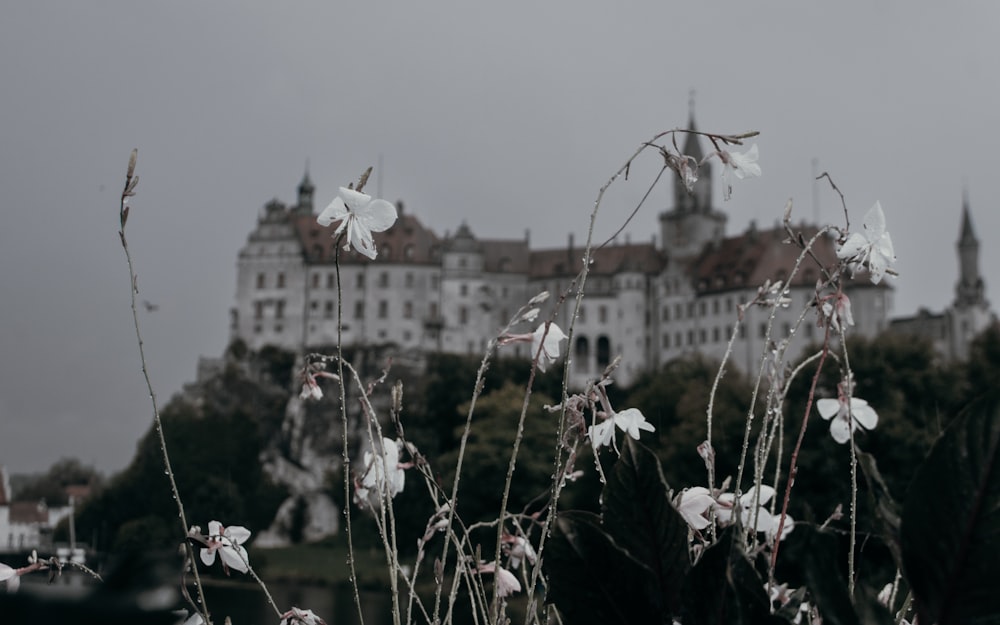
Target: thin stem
{"type": "Point", "coordinates": [793, 466]}
{"type": "Point", "coordinates": [346, 457]}
{"type": "Point", "coordinates": [263, 587]}
{"type": "Point", "coordinates": [130, 184]}
{"type": "Point", "coordinates": [453, 502]}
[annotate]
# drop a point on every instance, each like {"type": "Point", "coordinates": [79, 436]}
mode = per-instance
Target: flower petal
{"type": "Point", "coordinates": [602, 434]}
{"type": "Point", "coordinates": [354, 200]}
{"type": "Point", "coordinates": [875, 222]}
{"type": "Point", "coordinates": [864, 415]}
{"type": "Point", "coordinates": [336, 211]}
{"type": "Point", "coordinates": [827, 407]}
{"type": "Point", "coordinates": [853, 246]}
{"type": "Point", "coordinates": [378, 216]}
{"type": "Point", "coordinates": [238, 534]}
{"type": "Point", "coordinates": [766, 492]}
{"type": "Point", "coordinates": [839, 430]}
{"type": "Point", "coordinates": [235, 558]}
{"type": "Point", "coordinates": [208, 556]}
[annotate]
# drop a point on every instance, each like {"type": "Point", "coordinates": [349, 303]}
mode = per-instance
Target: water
{"type": "Point", "coordinates": [247, 605]}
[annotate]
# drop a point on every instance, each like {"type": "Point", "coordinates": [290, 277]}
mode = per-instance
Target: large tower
{"type": "Point", "coordinates": [692, 222]}
{"type": "Point", "coordinates": [970, 314]}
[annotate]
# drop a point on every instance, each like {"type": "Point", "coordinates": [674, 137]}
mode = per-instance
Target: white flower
{"type": "Point", "coordinates": [311, 389]}
{"type": "Point", "coordinates": [692, 503]}
{"type": "Point", "coordinates": [786, 528]}
{"type": "Point", "coordinates": [726, 504]}
{"type": "Point", "coordinates": [506, 582]}
{"type": "Point", "coordinates": [377, 467]}
{"type": "Point", "coordinates": [873, 247]}
{"type": "Point", "coordinates": [838, 312]}
{"type": "Point", "coordinates": [739, 165]}
{"type": "Point", "coordinates": [362, 216]}
{"type": "Point", "coordinates": [11, 576]}
{"type": "Point", "coordinates": [631, 420]}
{"type": "Point", "coordinates": [602, 434]}
{"type": "Point", "coordinates": [688, 175]}
{"type": "Point", "coordinates": [885, 594]}
{"type": "Point", "coordinates": [548, 342]}
{"type": "Point", "coordinates": [839, 410]}
{"type": "Point", "coordinates": [192, 619]}
{"type": "Point", "coordinates": [521, 549]}
{"type": "Point", "coordinates": [228, 541]}
{"type": "Point", "coordinates": [296, 616]}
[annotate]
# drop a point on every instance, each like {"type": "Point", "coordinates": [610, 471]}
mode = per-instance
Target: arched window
{"type": "Point", "coordinates": [603, 352]}
{"type": "Point", "coordinates": [581, 354]}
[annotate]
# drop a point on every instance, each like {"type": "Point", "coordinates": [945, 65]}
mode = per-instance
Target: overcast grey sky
{"type": "Point", "coordinates": [508, 116]}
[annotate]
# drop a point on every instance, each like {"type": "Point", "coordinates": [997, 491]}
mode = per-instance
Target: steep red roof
{"type": "Point", "coordinates": [754, 257]}
{"type": "Point", "coordinates": [506, 255]}
{"type": "Point", "coordinates": [610, 260]}
{"type": "Point", "coordinates": [406, 241]}
{"type": "Point", "coordinates": [28, 512]}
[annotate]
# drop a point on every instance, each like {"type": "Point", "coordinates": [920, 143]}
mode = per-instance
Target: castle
{"type": "Point", "coordinates": [648, 302]}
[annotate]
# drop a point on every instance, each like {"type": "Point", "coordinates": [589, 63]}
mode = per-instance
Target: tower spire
{"type": "Point", "coordinates": [306, 192]}
{"type": "Point", "coordinates": [700, 198]}
{"type": "Point", "coordinates": [969, 290]}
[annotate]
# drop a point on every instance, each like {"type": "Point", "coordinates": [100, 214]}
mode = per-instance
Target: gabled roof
{"type": "Point", "coordinates": [607, 261]}
{"type": "Point", "coordinates": [506, 256]}
{"type": "Point", "coordinates": [406, 241]}
{"type": "Point", "coordinates": [750, 259]}
{"type": "Point", "coordinates": [29, 512]}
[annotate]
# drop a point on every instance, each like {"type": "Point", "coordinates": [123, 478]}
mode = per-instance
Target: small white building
{"type": "Point", "coordinates": [25, 524]}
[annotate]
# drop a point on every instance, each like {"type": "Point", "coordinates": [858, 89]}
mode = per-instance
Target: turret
{"type": "Point", "coordinates": [970, 289]}
{"type": "Point", "coordinates": [306, 192]}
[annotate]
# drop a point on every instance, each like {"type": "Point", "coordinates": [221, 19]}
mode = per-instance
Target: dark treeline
{"type": "Point", "coordinates": [215, 443]}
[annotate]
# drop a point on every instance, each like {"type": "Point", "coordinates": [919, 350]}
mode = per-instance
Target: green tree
{"type": "Point", "coordinates": [675, 400]}
{"type": "Point", "coordinates": [983, 367]}
{"type": "Point", "coordinates": [51, 486]}
{"type": "Point", "coordinates": [215, 444]}
{"type": "Point", "coordinates": [487, 454]}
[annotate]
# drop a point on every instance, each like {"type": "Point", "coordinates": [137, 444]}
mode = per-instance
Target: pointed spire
{"type": "Point", "coordinates": [970, 290]}
{"type": "Point", "coordinates": [968, 235]}
{"type": "Point", "coordinates": [306, 191]}
{"type": "Point", "coordinates": [692, 146]}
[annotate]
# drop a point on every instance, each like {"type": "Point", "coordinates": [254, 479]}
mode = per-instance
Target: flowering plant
{"type": "Point", "coordinates": [644, 551]}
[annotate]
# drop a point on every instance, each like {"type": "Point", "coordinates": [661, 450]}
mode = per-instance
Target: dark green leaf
{"type": "Point", "coordinates": [724, 588]}
{"type": "Point", "coordinates": [827, 584]}
{"type": "Point", "coordinates": [639, 516]}
{"type": "Point", "coordinates": [886, 508]}
{"type": "Point", "coordinates": [951, 521]}
{"type": "Point", "coordinates": [592, 580]}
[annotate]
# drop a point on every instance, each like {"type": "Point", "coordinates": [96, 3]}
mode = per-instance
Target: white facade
{"type": "Point", "coordinates": [423, 293]}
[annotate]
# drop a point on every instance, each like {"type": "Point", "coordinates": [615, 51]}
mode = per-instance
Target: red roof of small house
{"type": "Point", "coordinates": [29, 512]}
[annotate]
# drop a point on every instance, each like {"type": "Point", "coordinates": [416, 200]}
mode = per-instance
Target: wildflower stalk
{"type": "Point", "coordinates": [793, 465]}
{"type": "Point", "coordinates": [854, 465]}
{"type": "Point", "coordinates": [346, 457]}
{"type": "Point", "coordinates": [453, 501]}
{"type": "Point", "coordinates": [581, 280]}
{"type": "Point", "coordinates": [131, 181]}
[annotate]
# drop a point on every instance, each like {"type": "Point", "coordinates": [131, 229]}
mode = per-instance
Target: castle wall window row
{"type": "Point", "coordinates": [467, 286]}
